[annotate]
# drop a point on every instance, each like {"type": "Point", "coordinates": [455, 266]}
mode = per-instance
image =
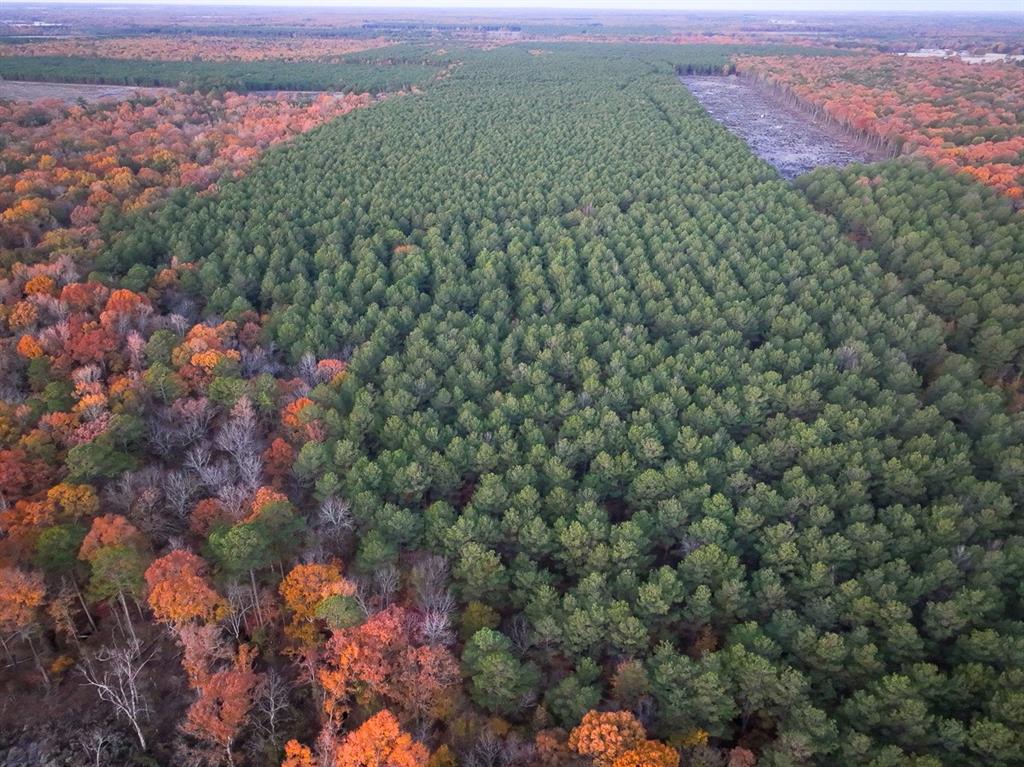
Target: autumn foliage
{"type": "Point", "coordinates": [380, 742]}
{"type": "Point", "coordinates": [297, 755]}
{"type": "Point", "coordinates": [180, 592]}
{"type": "Point", "coordinates": [606, 735]}
{"type": "Point", "coordinates": [384, 657]}
{"type": "Point", "coordinates": [21, 597]}
{"type": "Point", "coordinates": [223, 702]}
{"type": "Point", "coordinates": [68, 163]}
{"type": "Point", "coordinates": [305, 589]}
{"type": "Point", "coordinates": [960, 116]}
{"type": "Point", "coordinates": [649, 753]}
{"type": "Point", "coordinates": [205, 48]}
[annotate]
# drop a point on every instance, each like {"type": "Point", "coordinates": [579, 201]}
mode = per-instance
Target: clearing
{"type": "Point", "coordinates": [19, 90]}
{"type": "Point", "coordinates": [779, 133]}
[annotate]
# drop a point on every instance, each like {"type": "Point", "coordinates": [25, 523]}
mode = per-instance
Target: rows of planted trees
{"type": "Point", "coordinates": [956, 245]}
{"type": "Point", "coordinates": [235, 74]}
{"type": "Point", "coordinates": [597, 444]}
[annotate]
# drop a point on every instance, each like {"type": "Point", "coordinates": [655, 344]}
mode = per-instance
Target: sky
{"type": "Point", "coordinates": [815, 6]}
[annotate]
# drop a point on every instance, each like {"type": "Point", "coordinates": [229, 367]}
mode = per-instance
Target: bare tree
{"type": "Point", "coordinates": [376, 593]}
{"type": "Point", "coordinates": [250, 471]}
{"type": "Point", "coordinates": [217, 474]}
{"type": "Point", "coordinates": [364, 596]}
{"type": "Point", "coordinates": [241, 601]}
{"type": "Point", "coordinates": [234, 499]}
{"type": "Point", "coordinates": [645, 710]}
{"type": "Point", "coordinates": [159, 437]}
{"type": "Point", "coordinates": [520, 633]}
{"type": "Point", "coordinates": [116, 674]}
{"type": "Point", "coordinates": [197, 458]}
{"type": "Point", "coordinates": [183, 423]}
{"type": "Point", "coordinates": [178, 322]}
{"type": "Point", "coordinates": [87, 374]}
{"type": "Point", "coordinates": [25, 635]}
{"type": "Point", "coordinates": [237, 436]}
{"type": "Point", "coordinates": [94, 742]}
{"type": "Point", "coordinates": [65, 269]}
{"type": "Point", "coordinates": [429, 578]}
{"type": "Point", "coordinates": [306, 369]}
{"type": "Point", "coordinates": [193, 417]}
{"type": "Point", "coordinates": [272, 704]}
{"type": "Point", "coordinates": [257, 361]}
{"type": "Point", "coordinates": [179, 489]}
{"type": "Point", "coordinates": [119, 495]}
{"type": "Point", "coordinates": [386, 581]}
{"type": "Point", "coordinates": [334, 519]}
{"type": "Point", "coordinates": [436, 626]}
{"type": "Point", "coordinates": [490, 750]}
{"type": "Point", "coordinates": [135, 344]}
{"type": "Point", "coordinates": [847, 358]}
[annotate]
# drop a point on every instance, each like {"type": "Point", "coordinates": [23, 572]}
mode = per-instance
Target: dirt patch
{"type": "Point", "coordinates": [781, 134]}
{"type": "Point", "coordinates": [19, 90]}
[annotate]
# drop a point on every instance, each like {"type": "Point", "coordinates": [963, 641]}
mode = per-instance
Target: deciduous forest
{"type": "Point", "coordinates": [501, 408]}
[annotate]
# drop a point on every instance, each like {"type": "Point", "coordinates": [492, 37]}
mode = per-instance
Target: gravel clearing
{"type": "Point", "coordinates": [781, 134]}
{"type": "Point", "coordinates": [19, 90]}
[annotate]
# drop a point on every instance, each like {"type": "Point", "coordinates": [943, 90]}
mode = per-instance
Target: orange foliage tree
{"type": "Point", "coordinates": [650, 753]}
{"type": "Point", "coordinates": [605, 735]}
{"type": "Point", "coordinates": [180, 592]}
{"type": "Point", "coordinates": [109, 530]}
{"type": "Point", "coordinates": [380, 742]}
{"type": "Point", "coordinates": [304, 590]}
{"type": "Point", "coordinates": [202, 48]}
{"type": "Point", "coordinates": [21, 596]}
{"type": "Point", "coordinates": [128, 156]}
{"type": "Point", "coordinates": [297, 755]}
{"type": "Point", "coordinates": [72, 501]}
{"type": "Point", "coordinates": [617, 739]}
{"type": "Point", "coordinates": [381, 656]}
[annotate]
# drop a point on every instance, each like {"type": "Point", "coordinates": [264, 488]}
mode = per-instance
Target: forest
{"type": "Point", "coordinates": [524, 417]}
{"type": "Point", "coordinates": [237, 76]}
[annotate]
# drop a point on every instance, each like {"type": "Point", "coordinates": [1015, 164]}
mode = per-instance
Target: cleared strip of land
{"type": "Point", "coordinates": [20, 90]}
{"type": "Point", "coordinates": [781, 134]}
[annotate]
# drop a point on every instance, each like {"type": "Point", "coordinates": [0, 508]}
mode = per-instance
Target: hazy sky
{"type": "Point", "coordinates": [962, 6]}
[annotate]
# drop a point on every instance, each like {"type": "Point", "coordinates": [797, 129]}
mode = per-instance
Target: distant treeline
{"type": "Point", "coordinates": [212, 75]}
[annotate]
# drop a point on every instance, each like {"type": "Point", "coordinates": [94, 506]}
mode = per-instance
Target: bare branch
{"type": "Point", "coordinates": [115, 673]}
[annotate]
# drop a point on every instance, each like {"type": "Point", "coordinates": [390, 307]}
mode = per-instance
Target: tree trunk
{"type": "Point", "coordinates": [256, 597]}
{"type": "Point", "coordinates": [138, 733]}
{"type": "Point", "coordinates": [81, 600]}
{"type": "Point", "coordinates": [127, 617]}
{"type": "Point", "coordinates": [35, 657]}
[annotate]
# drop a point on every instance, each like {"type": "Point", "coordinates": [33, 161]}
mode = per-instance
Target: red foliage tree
{"type": "Point", "coordinates": [381, 656]}
{"type": "Point", "coordinates": [225, 699]}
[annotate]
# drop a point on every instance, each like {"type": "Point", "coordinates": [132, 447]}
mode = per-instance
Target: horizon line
{"type": "Point", "coordinates": [542, 6]}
